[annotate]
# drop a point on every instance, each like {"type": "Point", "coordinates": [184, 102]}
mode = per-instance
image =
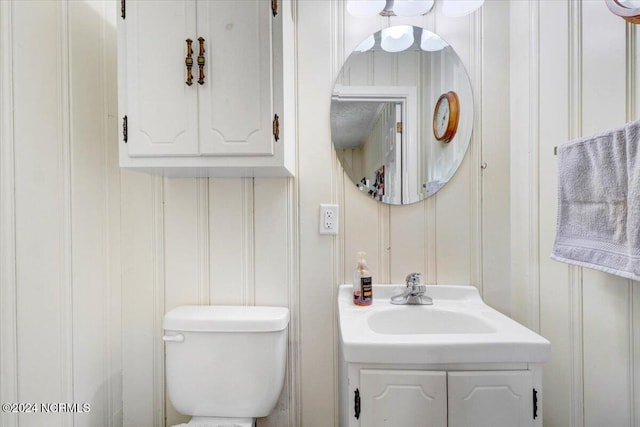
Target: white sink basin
{"type": "Point", "coordinates": [417, 320]}
{"type": "Point", "coordinates": [458, 328]}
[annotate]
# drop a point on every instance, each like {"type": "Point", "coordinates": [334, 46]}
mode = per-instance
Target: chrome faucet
{"type": "Point", "coordinates": [414, 293]}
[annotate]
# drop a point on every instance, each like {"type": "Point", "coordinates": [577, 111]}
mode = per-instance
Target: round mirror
{"type": "Point", "coordinates": [401, 114]}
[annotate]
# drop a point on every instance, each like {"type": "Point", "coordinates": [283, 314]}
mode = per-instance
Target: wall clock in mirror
{"type": "Point", "coordinates": [446, 116]}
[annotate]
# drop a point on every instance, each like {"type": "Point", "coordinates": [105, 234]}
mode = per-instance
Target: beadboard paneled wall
{"type": "Point", "coordinates": [80, 237]}
{"type": "Point", "coordinates": [200, 241]}
{"type": "Point", "coordinates": [453, 238]}
{"type": "Point", "coordinates": [75, 230]}
{"type": "Point", "coordinates": [443, 236]}
{"type": "Point", "coordinates": [249, 241]}
{"type": "Point", "coordinates": [59, 212]}
{"type": "Point", "coordinates": [574, 73]}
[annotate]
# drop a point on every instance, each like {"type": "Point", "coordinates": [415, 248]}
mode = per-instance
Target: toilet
{"type": "Point", "coordinates": [225, 365]}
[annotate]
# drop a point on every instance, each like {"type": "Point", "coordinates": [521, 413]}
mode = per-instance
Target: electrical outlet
{"type": "Point", "coordinates": [328, 219]}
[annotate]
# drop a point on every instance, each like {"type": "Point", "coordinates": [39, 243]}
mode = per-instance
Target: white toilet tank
{"type": "Point", "coordinates": [225, 361]}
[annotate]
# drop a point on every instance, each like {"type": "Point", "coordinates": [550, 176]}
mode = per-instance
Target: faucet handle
{"type": "Point", "coordinates": [420, 288]}
{"type": "Point", "coordinates": [413, 279]}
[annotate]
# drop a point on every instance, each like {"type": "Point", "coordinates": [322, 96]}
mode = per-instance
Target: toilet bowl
{"type": "Point", "coordinates": [225, 365]}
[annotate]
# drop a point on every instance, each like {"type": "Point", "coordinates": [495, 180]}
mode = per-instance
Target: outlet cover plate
{"type": "Point", "coordinates": [329, 219]}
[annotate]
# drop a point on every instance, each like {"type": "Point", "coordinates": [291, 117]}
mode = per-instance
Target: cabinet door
{"type": "Point", "coordinates": [490, 399]}
{"type": "Point", "coordinates": [235, 101]}
{"type": "Point", "coordinates": [160, 107]}
{"type": "Point", "coordinates": [403, 398]}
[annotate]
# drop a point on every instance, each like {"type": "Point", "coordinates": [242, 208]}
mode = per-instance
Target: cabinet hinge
{"type": "Point", "coordinates": [123, 9]}
{"type": "Point", "coordinates": [535, 403]}
{"type": "Point", "coordinates": [274, 7]}
{"type": "Point", "coordinates": [399, 127]}
{"type": "Point", "coordinates": [125, 136]}
{"type": "Point", "coordinates": [276, 127]}
{"type": "Point", "coordinates": [356, 403]}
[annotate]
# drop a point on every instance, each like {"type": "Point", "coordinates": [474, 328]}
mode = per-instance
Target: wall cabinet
{"type": "Point", "coordinates": [442, 398]}
{"type": "Point", "coordinates": [206, 88]}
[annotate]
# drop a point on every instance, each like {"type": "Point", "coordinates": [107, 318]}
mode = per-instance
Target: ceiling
{"type": "Point", "coordinates": [352, 121]}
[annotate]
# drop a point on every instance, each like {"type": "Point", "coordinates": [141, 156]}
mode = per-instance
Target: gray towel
{"type": "Point", "coordinates": [599, 202]}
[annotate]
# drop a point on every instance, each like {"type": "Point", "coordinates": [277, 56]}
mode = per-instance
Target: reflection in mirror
{"type": "Point", "coordinates": [401, 114]}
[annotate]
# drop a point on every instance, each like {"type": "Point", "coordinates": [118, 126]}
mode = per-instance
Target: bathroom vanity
{"type": "Point", "coordinates": [456, 363]}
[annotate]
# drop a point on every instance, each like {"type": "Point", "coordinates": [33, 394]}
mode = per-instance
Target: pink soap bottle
{"type": "Point", "coordinates": [362, 283]}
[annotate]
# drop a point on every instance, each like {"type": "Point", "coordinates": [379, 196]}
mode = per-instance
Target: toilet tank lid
{"type": "Point", "coordinates": [226, 318]}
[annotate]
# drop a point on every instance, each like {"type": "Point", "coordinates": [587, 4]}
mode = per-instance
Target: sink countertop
{"type": "Point", "coordinates": [458, 328]}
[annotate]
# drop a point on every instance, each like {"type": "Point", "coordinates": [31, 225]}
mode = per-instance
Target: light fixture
{"type": "Point", "coordinates": [411, 7]}
{"type": "Point", "coordinates": [366, 44]}
{"type": "Point", "coordinates": [397, 39]}
{"type": "Point", "coordinates": [365, 7]}
{"type": "Point", "coordinates": [451, 8]}
{"type": "Point", "coordinates": [431, 42]}
{"type": "Point", "coordinates": [457, 8]}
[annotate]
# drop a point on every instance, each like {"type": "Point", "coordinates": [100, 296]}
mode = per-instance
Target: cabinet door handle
{"type": "Point", "coordinates": [188, 61]}
{"type": "Point", "coordinates": [276, 127]}
{"type": "Point", "coordinates": [201, 61]}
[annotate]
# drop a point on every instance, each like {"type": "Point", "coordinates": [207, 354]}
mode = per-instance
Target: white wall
{"type": "Point", "coordinates": [66, 209]}
{"type": "Point", "coordinates": [453, 238]}
{"type": "Point", "coordinates": [59, 212]}
{"type": "Point", "coordinates": [79, 236]}
{"type": "Point", "coordinates": [574, 72]}
{"type": "Point", "coordinates": [196, 241]}
{"type": "Point", "coordinates": [256, 241]}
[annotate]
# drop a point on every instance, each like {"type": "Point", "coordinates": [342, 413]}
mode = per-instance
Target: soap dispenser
{"type": "Point", "coordinates": [362, 283]}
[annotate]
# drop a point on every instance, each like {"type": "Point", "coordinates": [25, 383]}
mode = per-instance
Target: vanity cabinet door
{"type": "Point", "coordinates": [161, 108]}
{"type": "Point", "coordinates": [490, 399]}
{"type": "Point", "coordinates": [403, 398]}
{"type": "Point", "coordinates": [235, 100]}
